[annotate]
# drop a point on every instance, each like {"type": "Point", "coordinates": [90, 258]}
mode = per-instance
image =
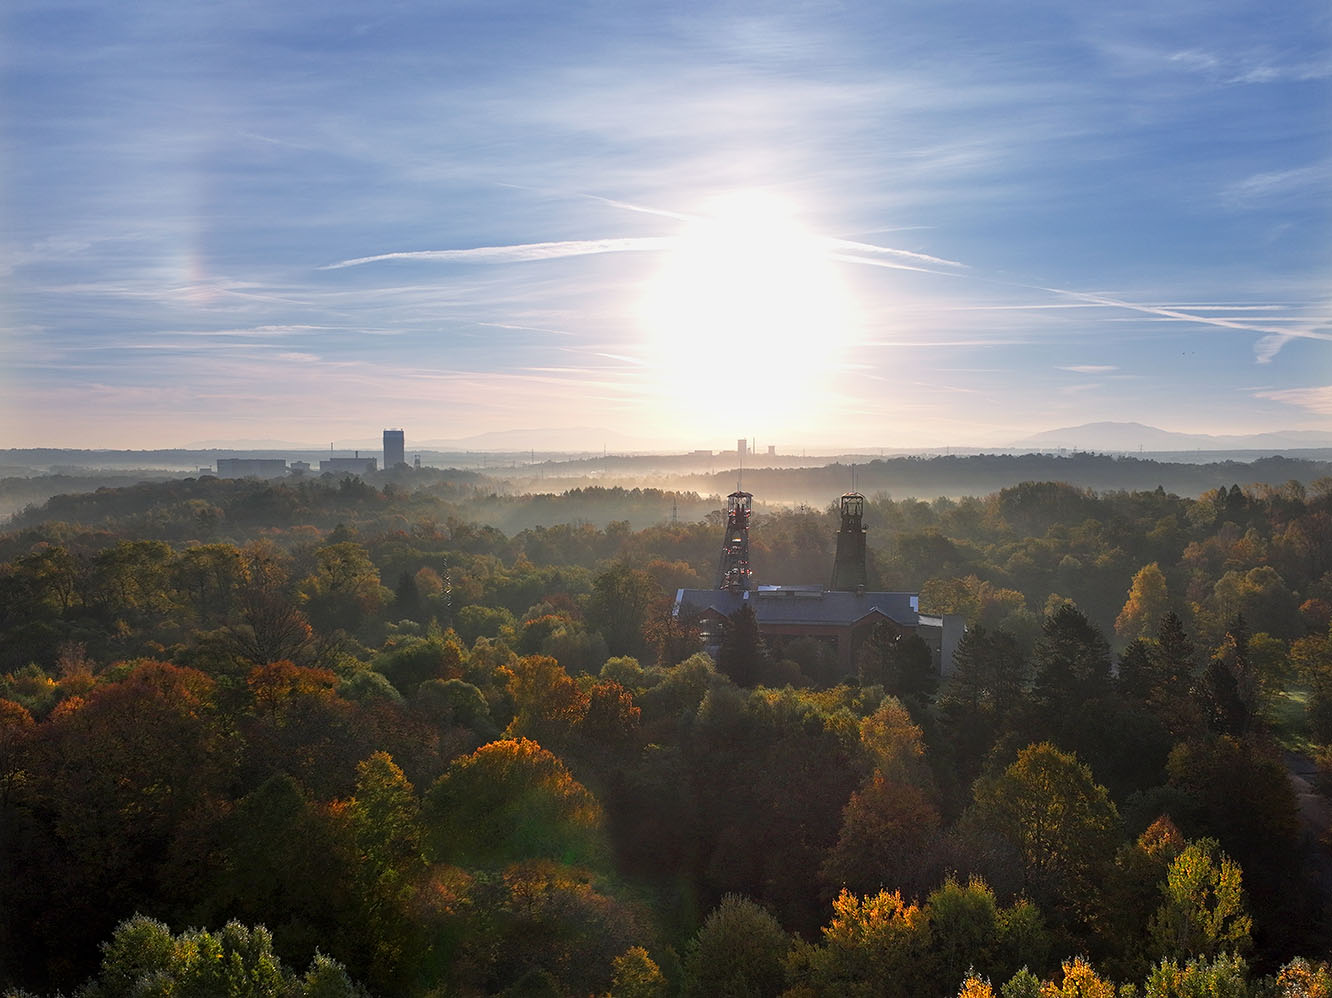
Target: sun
{"type": "Point", "coordinates": [747, 309]}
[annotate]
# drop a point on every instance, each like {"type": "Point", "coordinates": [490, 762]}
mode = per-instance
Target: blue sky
{"type": "Point", "coordinates": [880, 224]}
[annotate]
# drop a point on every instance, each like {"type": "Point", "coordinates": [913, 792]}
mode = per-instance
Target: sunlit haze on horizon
{"type": "Point", "coordinates": [889, 225]}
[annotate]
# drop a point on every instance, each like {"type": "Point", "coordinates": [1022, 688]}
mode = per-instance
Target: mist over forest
{"type": "Point", "coordinates": [32, 477]}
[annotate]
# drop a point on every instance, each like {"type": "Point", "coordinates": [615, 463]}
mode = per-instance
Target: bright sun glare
{"type": "Point", "coordinates": [748, 311]}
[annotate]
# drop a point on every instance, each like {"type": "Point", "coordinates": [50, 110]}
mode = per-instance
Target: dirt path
{"type": "Point", "coordinates": [1315, 816]}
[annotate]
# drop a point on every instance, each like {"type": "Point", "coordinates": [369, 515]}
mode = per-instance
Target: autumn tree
{"type": "Point", "coordinates": [548, 706]}
{"type": "Point", "coordinates": [512, 800]}
{"type": "Point", "coordinates": [874, 945]}
{"type": "Point", "coordinates": [1079, 980]}
{"type": "Point", "coordinates": [1202, 914]}
{"type": "Point", "coordinates": [1148, 601]}
{"type": "Point", "coordinates": [888, 839]}
{"type": "Point", "coordinates": [636, 975]}
{"type": "Point", "coordinates": [1062, 824]}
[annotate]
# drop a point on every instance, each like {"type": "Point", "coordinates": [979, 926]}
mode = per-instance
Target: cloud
{"type": "Point", "coordinates": [1269, 346]}
{"type": "Point", "coordinates": [1274, 184]}
{"type": "Point", "coordinates": [1090, 368]}
{"type": "Point", "coordinates": [1266, 349]}
{"type": "Point", "coordinates": [1318, 399]}
{"type": "Point", "coordinates": [871, 248]}
{"type": "Point", "coordinates": [520, 253]}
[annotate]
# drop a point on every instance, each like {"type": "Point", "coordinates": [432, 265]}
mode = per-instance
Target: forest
{"type": "Point", "coordinates": [341, 738]}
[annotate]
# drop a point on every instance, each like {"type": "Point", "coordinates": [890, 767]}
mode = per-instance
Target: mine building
{"type": "Point", "coordinates": [841, 615]}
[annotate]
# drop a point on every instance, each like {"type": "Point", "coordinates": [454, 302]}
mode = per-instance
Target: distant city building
{"type": "Point", "coordinates": [250, 467]}
{"type": "Point", "coordinates": [350, 465]}
{"type": "Point", "coordinates": [742, 446]}
{"type": "Point", "coordinates": [300, 467]}
{"type": "Point", "coordinates": [772, 450]}
{"type": "Point", "coordinates": [394, 449]}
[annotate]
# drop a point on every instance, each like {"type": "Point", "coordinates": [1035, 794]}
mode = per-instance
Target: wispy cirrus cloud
{"type": "Point", "coordinates": [1268, 185]}
{"type": "Point", "coordinates": [1317, 399]}
{"type": "Point", "coordinates": [1090, 368]}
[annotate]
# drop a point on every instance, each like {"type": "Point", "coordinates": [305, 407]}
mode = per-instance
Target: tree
{"type": "Point", "coordinates": [288, 863]}
{"type": "Point", "coordinates": [144, 958]}
{"type": "Point", "coordinates": [1312, 658]}
{"type": "Point", "coordinates": [888, 839]}
{"type": "Point", "coordinates": [385, 822]}
{"type": "Point", "coordinates": [901, 663]}
{"type": "Point", "coordinates": [272, 629]}
{"type": "Point", "coordinates": [119, 783]}
{"type": "Point", "coordinates": [548, 706]}
{"type": "Point", "coordinates": [611, 720]}
{"type": "Point", "coordinates": [989, 672]}
{"type": "Point", "coordinates": [1147, 603]}
{"type": "Point", "coordinates": [964, 929]}
{"type": "Point", "coordinates": [1061, 822]}
{"type": "Point", "coordinates": [737, 953]}
{"type": "Point", "coordinates": [208, 578]}
{"type": "Point", "coordinates": [1172, 697]}
{"type": "Point", "coordinates": [975, 987]}
{"type": "Point", "coordinates": [618, 607]}
{"type": "Point", "coordinates": [344, 589]}
{"type": "Point", "coordinates": [1071, 659]}
{"type": "Point", "coordinates": [1132, 893]}
{"type": "Point", "coordinates": [873, 946]}
{"type": "Point", "coordinates": [636, 975]}
{"type": "Point", "coordinates": [1080, 981]}
{"type": "Point", "coordinates": [744, 654]}
{"type": "Point", "coordinates": [895, 743]}
{"type": "Point", "coordinates": [512, 800]}
{"type": "Point", "coordinates": [1240, 795]}
{"type": "Point", "coordinates": [1301, 978]}
{"type": "Point", "coordinates": [1203, 911]}
{"type": "Point", "coordinates": [534, 927]}
{"type": "Point", "coordinates": [1224, 977]}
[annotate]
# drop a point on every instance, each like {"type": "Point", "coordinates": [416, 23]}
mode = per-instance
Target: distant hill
{"type": "Point", "coordinates": [1131, 437]}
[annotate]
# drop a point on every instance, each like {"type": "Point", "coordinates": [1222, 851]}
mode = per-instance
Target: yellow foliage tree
{"type": "Point", "coordinates": [1080, 981]}
{"type": "Point", "coordinates": [1148, 601]}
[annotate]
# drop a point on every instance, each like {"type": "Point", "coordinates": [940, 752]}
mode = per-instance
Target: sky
{"type": "Point", "coordinates": [887, 223]}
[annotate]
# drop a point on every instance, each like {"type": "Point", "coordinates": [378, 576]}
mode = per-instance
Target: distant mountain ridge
{"type": "Point", "coordinates": [1129, 437]}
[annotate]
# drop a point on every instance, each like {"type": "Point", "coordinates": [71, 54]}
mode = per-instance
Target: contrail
{"type": "Point", "coordinates": [520, 253]}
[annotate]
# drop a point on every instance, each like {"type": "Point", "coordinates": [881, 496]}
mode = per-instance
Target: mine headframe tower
{"type": "Point", "coordinates": [734, 573]}
{"type": "Point", "coordinates": [850, 571]}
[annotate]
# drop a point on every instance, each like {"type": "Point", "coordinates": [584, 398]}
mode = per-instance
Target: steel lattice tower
{"type": "Point", "coordinates": [735, 572]}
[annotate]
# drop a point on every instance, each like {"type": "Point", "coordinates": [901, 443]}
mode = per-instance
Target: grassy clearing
{"type": "Point", "coordinates": [1286, 714]}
